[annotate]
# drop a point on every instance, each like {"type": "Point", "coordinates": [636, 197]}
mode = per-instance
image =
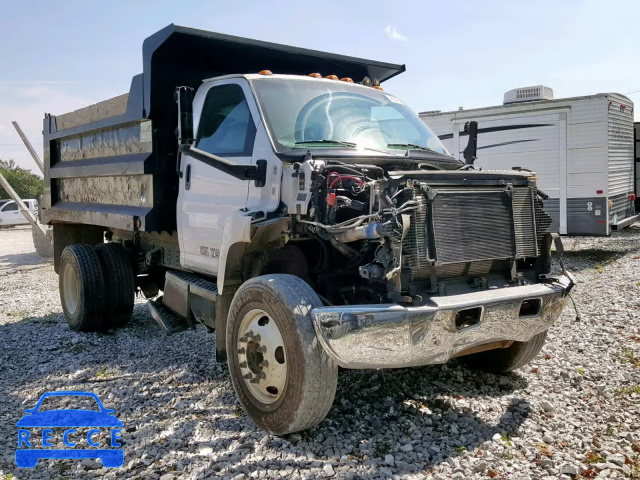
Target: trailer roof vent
{"type": "Point", "coordinates": [528, 94]}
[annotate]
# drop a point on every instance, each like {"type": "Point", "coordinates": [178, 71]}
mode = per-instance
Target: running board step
{"type": "Point", "coordinates": [169, 321]}
{"type": "Point", "coordinates": [189, 298]}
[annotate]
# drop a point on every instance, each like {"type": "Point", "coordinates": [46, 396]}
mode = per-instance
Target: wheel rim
{"type": "Point", "coordinates": [71, 292]}
{"type": "Point", "coordinates": [262, 357]}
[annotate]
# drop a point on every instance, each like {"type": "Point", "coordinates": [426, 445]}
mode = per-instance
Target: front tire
{"type": "Point", "coordinates": [81, 288]}
{"type": "Point", "coordinates": [505, 360]}
{"type": "Point", "coordinates": [284, 379]}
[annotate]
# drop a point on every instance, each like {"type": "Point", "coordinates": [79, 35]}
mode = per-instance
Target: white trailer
{"type": "Point", "coordinates": [582, 149]}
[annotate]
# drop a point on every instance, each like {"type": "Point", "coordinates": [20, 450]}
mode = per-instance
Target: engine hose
{"type": "Point", "coordinates": [343, 249]}
{"type": "Point", "coordinates": [371, 231]}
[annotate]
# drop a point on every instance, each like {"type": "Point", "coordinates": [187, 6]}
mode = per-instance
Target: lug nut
{"type": "Point", "coordinates": [263, 363]}
{"type": "Point", "coordinates": [247, 376]}
{"type": "Point", "coordinates": [243, 365]}
{"type": "Point", "coordinates": [249, 334]}
{"type": "Point", "coordinates": [241, 350]}
{"type": "Point", "coordinates": [262, 349]}
{"type": "Point", "coordinates": [257, 338]}
{"type": "Point", "coordinates": [242, 339]}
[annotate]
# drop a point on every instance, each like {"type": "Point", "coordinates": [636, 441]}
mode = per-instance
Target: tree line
{"type": "Point", "coordinates": [25, 183]}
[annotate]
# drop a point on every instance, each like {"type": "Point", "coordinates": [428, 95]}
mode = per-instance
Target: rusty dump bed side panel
{"type": "Point", "coordinates": [100, 166]}
{"type": "Point", "coordinates": [113, 164]}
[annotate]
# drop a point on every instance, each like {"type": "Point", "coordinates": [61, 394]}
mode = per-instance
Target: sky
{"type": "Point", "coordinates": [59, 56]}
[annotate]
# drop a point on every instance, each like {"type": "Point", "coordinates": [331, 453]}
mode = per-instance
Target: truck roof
{"type": "Point", "coordinates": [258, 76]}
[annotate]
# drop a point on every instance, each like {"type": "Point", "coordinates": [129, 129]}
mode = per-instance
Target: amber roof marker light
{"type": "Point", "coordinates": [266, 72]}
{"type": "Point", "coordinates": [314, 75]}
{"type": "Point", "coordinates": [332, 77]}
{"type": "Point", "coordinates": [346, 79]}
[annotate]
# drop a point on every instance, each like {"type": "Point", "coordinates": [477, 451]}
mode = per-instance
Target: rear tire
{"type": "Point", "coordinates": [119, 283]}
{"type": "Point", "coordinates": [81, 288]}
{"type": "Point", "coordinates": [280, 306]}
{"type": "Point", "coordinates": [505, 360]}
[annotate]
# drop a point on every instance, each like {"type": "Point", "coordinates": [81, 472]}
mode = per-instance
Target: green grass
{"type": "Point", "coordinates": [506, 439]}
{"type": "Point", "coordinates": [381, 449]}
{"type": "Point", "coordinates": [629, 356]}
{"type": "Point", "coordinates": [628, 390]}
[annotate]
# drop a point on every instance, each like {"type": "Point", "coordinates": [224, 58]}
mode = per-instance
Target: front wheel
{"type": "Point", "coordinates": [503, 360]}
{"type": "Point", "coordinates": [283, 377]}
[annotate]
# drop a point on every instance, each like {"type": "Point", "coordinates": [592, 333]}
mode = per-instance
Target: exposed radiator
{"type": "Point", "coordinates": [524, 221]}
{"type": "Point", "coordinates": [472, 225]}
{"type": "Point", "coordinates": [471, 232]}
{"type": "Point", "coordinates": [415, 246]}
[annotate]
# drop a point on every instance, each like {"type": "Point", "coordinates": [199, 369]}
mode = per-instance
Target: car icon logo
{"type": "Point", "coordinates": [27, 454]}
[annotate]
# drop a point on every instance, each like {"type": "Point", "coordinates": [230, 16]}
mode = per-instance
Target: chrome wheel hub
{"type": "Point", "coordinates": [71, 290]}
{"type": "Point", "coordinates": [261, 356]}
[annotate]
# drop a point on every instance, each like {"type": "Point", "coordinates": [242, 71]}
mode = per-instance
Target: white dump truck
{"type": "Point", "coordinates": [281, 198]}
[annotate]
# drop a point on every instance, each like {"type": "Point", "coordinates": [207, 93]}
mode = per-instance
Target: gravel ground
{"type": "Point", "coordinates": [573, 413]}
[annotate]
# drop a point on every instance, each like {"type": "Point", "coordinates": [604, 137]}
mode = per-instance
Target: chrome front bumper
{"type": "Point", "coordinates": [393, 336]}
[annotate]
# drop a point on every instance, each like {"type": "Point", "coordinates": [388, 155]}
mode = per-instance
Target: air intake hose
{"type": "Point", "coordinates": [373, 230]}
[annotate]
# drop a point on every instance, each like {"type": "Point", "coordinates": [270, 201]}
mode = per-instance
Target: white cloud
{"type": "Point", "coordinates": [393, 34]}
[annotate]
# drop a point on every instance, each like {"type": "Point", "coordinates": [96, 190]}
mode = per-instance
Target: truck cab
{"type": "Point", "coordinates": [304, 214]}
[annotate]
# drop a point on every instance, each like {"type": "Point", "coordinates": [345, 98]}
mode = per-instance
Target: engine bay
{"type": "Point", "coordinates": [374, 234]}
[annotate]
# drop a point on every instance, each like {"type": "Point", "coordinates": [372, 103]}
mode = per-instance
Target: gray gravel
{"type": "Point", "coordinates": [574, 411]}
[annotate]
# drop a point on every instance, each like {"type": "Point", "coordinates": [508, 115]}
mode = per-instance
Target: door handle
{"type": "Point", "coordinates": [187, 178]}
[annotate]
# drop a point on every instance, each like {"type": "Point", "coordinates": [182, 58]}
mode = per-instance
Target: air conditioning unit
{"type": "Point", "coordinates": [528, 94]}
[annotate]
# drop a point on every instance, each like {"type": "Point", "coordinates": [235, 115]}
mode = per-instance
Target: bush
{"type": "Point", "coordinates": [25, 183]}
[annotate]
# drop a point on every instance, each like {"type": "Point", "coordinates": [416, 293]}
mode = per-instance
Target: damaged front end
{"type": "Point", "coordinates": [418, 266]}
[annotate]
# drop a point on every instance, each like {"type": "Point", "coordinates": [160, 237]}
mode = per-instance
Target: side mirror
{"type": "Point", "coordinates": [184, 99]}
{"type": "Point", "coordinates": [471, 151]}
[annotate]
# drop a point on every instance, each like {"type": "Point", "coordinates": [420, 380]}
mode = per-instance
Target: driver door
{"type": "Point", "coordinates": [208, 196]}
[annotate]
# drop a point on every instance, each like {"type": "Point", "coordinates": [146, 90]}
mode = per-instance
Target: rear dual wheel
{"type": "Point", "coordinates": [119, 283]}
{"type": "Point", "coordinates": [96, 286]}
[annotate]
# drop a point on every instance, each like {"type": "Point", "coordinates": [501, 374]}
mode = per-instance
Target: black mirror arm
{"type": "Point", "coordinates": [471, 151]}
{"type": "Point", "coordinates": [257, 172]}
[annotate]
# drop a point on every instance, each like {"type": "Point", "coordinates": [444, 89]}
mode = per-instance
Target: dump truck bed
{"type": "Point", "coordinates": [113, 164]}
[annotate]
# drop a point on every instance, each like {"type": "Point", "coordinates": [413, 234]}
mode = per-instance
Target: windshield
{"type": "Point", "coordinates": [302, 113]}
